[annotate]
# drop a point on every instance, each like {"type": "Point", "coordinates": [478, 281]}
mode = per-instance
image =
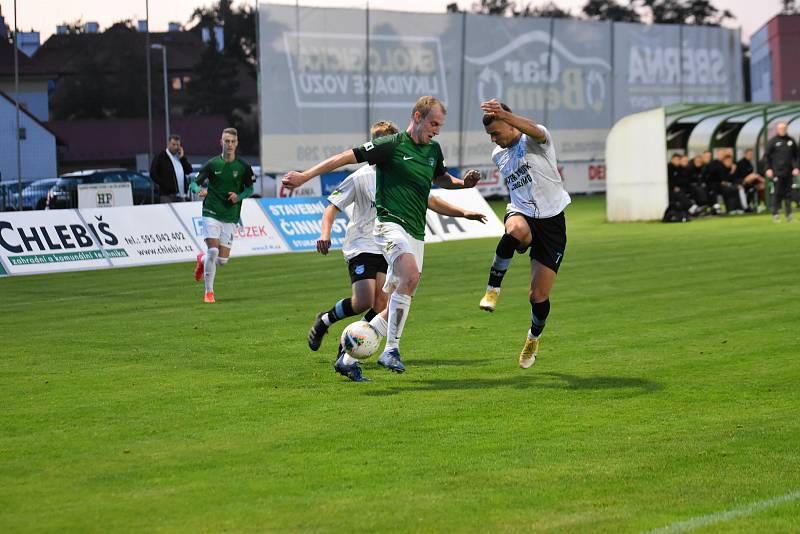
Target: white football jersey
{"type": "Point", "coordinates": [358, 191]}
{"type": "Point", "coordinates": [530, 171]}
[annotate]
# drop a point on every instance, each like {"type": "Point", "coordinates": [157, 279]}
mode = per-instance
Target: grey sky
{"type": "Point", "coordinates": [44, 15]}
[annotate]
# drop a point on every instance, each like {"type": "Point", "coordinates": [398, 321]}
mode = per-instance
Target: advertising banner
{"type": "Point", "coordinates": [34, 242]}
{"type": "Point", "coordinates": [444, 228]}
{"type": "Point", "coordinates": [659, 65]}
{"type": "Point", "coordinates": [104, 195]}
{"type": "Point", "coordinates": [147, 234]}
{"type": "Point", "coordinates": [255, 233]}
{"type": "Point", "coordinates": [298, 221]}
{"type": "Point", "coordinates": [329, 73]}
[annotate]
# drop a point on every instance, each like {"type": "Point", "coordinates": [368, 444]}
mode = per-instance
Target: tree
{"type": "Point", "coordinates": [789, 7]}
{"type": "Point", "coordinates": [239, 30]}
{"type": "Point", "coordinates": [493, 7]}
{"type": "Point", "coordinates": [610, 10]}
{"type": "Point", "coordinates": [214, 85]}
{"type": "Point", "coordinates": [693, 12]}
{"type": "Point", "coordinates": [74, 27]}
{"type": "Point", "coordinates": [549, 10]}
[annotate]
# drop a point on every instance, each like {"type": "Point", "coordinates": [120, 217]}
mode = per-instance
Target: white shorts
{"type": "Point", "coordinates": [223, 231]}
{"type": "Point", "coordinates": [395, 241]}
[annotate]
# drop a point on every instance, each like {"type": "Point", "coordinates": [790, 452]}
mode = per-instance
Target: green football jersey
{"type": "Point", "coordinates": [224, 178]}
{"type": "Point", "coordinates": [404, 172]}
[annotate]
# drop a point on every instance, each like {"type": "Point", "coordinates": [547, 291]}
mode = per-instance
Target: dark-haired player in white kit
{"type": "Point", "coordinates": [526, 159]}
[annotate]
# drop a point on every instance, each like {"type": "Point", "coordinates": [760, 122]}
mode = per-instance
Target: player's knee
{"type": "Point", "coordinates": [361, 304]}
{"type": "Point", "coordinates": [411, 281]}
{"type": "Point", "coordinates": [536, 294]}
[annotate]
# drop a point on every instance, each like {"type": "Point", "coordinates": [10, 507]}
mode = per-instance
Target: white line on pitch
{"type": "Point", "coordinates": [719, 517]}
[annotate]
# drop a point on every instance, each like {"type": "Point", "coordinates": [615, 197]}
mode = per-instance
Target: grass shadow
{"type": "Point", "coordinates": [631, 385]}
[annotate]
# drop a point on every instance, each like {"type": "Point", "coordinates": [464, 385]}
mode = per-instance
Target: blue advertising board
{"type": "Point", "coordinates": [299, 219]}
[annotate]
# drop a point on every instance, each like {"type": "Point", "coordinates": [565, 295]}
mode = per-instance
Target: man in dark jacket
{"type": "Point", "coordinates": [170, 170]}
{"type": "Point", "coordinates": [781, 158]}
{"type": "Point", "coordinates": [720, 182]}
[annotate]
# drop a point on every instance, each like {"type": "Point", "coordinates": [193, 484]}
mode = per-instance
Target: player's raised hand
{"type": "Point", "coordinates": [323, 245]}
{"type": "Point", "coordinates": [472, 178]}
{"type": "Point", "coordinates": [493, 107]}
{"type": "Point", "coordinates": [233, 197]}
{"type": "Point", "coordinates": [475, 216]}
{"type": "Point", "coordinates": [293, 179]}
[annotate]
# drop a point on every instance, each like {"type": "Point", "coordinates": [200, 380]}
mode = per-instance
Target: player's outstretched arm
{"type": "Point", "coordinates": [451, 210]}
{"type": "Point", "coordinates": [324, 241]}
{"type": "Point", "coordinates": [448, 181]}
{"type": "Point", "coordinates": [522, 124]}
{"type": "Point", "coordinates": [293, 179]}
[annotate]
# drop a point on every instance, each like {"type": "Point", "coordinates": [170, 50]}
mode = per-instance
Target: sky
{"type": "Point", "coordinates": [45, 15]}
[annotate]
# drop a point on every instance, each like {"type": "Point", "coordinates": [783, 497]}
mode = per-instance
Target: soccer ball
{"type": "Point", "coordinates": [360, 340]}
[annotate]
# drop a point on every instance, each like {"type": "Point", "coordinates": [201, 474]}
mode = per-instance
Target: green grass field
{"type": "Point", "coordinates": [667, 394]}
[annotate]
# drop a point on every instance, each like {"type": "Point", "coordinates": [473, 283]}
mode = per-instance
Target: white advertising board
{"type": "Point", "coordinates": [254, 235]}
{"type": "Point", "coordinates": [104, 195]}
{"type": "Point", "coordinates": [33, 242]}
{"type": "Point", "coordinates": [443, 228]}
{"type": "Point", "coordinates": [148, 234]}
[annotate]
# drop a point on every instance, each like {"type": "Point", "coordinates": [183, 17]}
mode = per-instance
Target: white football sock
{"type": "Point", "coordinates": [348, 360]}
{"type": "Point", "coordinates": [210, 264]}
{"type": "Point", "coordinates": [399, 306]}
{"type": "Point", "coordinates": [379, 324]}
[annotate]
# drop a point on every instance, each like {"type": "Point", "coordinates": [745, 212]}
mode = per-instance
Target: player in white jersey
{"type": "Point", "coordinates": [526, 159]}
{"type": "Point", "coordinates": [364, 258]}
{"type": "Point", "coordinates": [366, 263]}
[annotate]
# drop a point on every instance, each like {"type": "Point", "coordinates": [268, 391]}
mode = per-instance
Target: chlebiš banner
{"type": "Point", "coordinates": [33, 242]}
{"type": "Point", "coordinates": [148, 234]}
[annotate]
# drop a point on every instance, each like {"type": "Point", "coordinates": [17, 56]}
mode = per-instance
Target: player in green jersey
{"type": "Point", "coordinates": [406, 164]}
{"type": "Point", "coordinates": [230, 181]}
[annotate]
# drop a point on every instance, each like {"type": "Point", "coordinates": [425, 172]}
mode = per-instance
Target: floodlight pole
{"type": "Point", "coordinates": [149, 96]}
{"type": "Point", "coordinates": [16, 103]}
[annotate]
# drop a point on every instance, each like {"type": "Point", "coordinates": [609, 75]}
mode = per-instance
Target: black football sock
{"type": "Point", "coordinates": [370, 314]}
{"type": "Point", "coordinates": [342, 309]}
{"type": "Point", "coordinates": [539, 313]}
{"type": "Point", "coordinates": [502, 259]}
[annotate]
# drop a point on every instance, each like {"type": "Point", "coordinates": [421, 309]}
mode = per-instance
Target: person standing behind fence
{"type": "Point", "coordinates": [781, 158]}
{"type": "Point", "coordinates": [170, 170]}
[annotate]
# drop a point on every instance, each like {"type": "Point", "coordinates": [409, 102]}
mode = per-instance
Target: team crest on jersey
{"type": "Point", "coordinates": [431, 162]}
{"type": "Point", "coordinates": [359, 270]}
{"type": "Point", "coordinates": [235, 174]}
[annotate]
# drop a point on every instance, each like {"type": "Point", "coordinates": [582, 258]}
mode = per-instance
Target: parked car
{"type": "Point", "coordinates": [64, 193]}
{"type": "Point", "coordinates": [34, 196]}
{"type": "Point", "coordinates": [9, 192]}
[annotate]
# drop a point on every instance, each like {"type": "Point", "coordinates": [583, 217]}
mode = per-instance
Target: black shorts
{"type": "Point", "coordinates": [549, 238]}
{"type": "Point", "coordinates": [366, 266]}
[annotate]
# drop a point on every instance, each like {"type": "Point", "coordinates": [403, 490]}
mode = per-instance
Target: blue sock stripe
{"type": "Point", "coordinates": [339, 310]}
{"type": "Point", "coordinates": [501, 264]}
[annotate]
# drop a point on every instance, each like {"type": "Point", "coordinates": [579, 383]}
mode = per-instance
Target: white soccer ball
{"type": "Point", "coordinates": [360, 340]}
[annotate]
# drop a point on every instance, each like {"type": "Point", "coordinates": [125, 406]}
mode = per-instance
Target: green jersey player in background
{"type": "Point", "coordinates": [230, 181]}
{"type": "Point", "coordinates": [406, 165]}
